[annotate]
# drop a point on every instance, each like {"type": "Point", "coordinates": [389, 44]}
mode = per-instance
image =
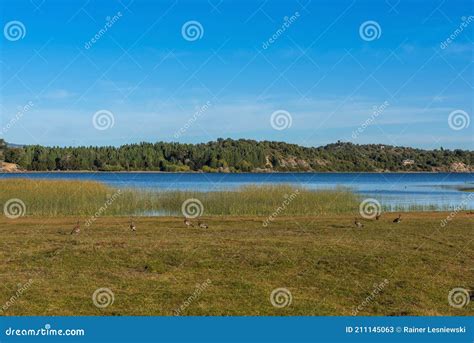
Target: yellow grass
{"type": "Point", "coordinates": [63, 197]}
{"type": "Point", "coordinates": [329, 266]}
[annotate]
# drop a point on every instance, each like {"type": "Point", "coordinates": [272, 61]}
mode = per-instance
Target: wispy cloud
{"type": "Point", "coordinates": [315, 121]}
{"type": "Point", "coordinates": [58, 94]}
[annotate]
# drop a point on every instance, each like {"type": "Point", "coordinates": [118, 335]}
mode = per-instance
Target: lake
{"type": "Point", "coordinates": [395, 190]}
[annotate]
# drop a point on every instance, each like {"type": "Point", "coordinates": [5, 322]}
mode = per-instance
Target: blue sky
{"type": "Point", "coordinates": [329, 77]}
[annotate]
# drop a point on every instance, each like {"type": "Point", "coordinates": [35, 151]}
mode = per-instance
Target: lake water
{"type": "Point", "coordinates": [391, 189]}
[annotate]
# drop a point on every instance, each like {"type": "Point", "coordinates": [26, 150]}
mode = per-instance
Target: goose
{"type": "Point", "coordinates": [358, 223]}
{"type": "Point", "coordinates": [188, 223]}
{"type": "Point", "coordinates": [76, 228]}
{"type": "Point", "coordinates": [202, 225]}
{"type": "Point", "coordinates": [398, 220]}
{"type": "Point", "coordinates": [132, 225]}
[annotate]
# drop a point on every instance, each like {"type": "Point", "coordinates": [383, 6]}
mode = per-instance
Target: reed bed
{"type": "Point", "coordinates": [264, 201]}
{"type": "Point", "coordinates": [64, 197]}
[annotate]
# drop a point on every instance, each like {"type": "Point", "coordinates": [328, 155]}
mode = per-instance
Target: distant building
{"type": "Point", "coordinates": [408, 162]}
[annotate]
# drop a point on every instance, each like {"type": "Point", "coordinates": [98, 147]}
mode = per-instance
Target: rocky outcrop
{"type": "Point", "coordinates": [460, 167]}
{"type": "Point", "coordinates": [294, 163]}
{"type": "Point", "coordinates": [9, 167]}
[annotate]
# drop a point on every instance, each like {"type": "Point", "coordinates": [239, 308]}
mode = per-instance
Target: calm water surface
{"type": "Point", "coordinates": [391, 189]}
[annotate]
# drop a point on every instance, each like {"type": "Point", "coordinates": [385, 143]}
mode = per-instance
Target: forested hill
{"type": "Point", "coordinates": [227, 155]}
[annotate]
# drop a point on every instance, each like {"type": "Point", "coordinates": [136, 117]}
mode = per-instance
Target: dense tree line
{"type": "Point", "coordinates": [2, 148]}
{"type": "Point", "coordinates": [227, 155]}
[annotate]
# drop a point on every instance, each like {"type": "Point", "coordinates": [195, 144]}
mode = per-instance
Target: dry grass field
{"type": "Point", "coordinates": [326, 265]}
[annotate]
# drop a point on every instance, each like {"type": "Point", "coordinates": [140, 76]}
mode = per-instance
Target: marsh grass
{"type": "Point", "coordinates": [264, 200]}
{"type": "Point", "coordinates": [63, 197]}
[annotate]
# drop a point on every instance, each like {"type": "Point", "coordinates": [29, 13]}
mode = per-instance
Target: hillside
{"type": "Point", "coordinates": [227, 155]}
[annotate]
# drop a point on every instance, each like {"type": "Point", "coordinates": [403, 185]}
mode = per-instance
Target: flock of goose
{"type": "Point", "coordinates": [77, 227]}
{"type": "Point", "coordinates": [359, 225]}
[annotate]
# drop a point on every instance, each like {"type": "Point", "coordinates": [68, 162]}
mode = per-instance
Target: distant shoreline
{"type": "Point", "coordinates": [237, 156]}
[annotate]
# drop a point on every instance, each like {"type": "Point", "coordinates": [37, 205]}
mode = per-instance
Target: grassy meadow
{"type": "Point", "coordinates": [231, 268]}
{"type": "Point", "coordinates": [311, 249]}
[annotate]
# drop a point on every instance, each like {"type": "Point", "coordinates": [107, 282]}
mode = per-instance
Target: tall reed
{"type": "Point", "coordinates": [64, 197]}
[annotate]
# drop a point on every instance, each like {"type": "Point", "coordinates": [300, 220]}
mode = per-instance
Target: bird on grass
{"type": "Point", "coordinates": [202, 225]}
{"type": "Point", "coordinates": [358, 224]}
{"type": "Point", "coordinates": [398, 219]}
{"type": "Point", "coordinates": [76, 228]}
{"type": "Point", "coordinates": [132, 225]}
{"type": "Point", "coordinates": [377, 217]}
{"type": "Point", "coordinates": [188, 223]}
